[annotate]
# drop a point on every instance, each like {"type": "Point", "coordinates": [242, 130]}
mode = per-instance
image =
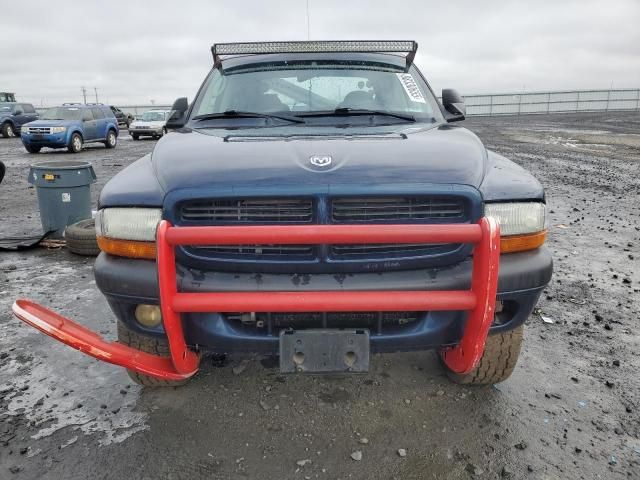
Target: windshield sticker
{"type": "Point", "coordinates": [411, 87]}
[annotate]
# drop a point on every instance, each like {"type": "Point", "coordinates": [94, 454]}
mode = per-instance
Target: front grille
{"type": "Point", "coordinates": [271, 322]}
{"type": "Point", "coordinates": [395, 209]}
{"type": "Point", "coordinates": [248, 211]}
{"type": "Point", "coordinates": [38, 130]}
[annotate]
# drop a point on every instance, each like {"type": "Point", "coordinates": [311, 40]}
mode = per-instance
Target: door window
{"type": "Point", "coordinates": [97, 113]}
{"type": "Point", "coordinates": [86, 115]}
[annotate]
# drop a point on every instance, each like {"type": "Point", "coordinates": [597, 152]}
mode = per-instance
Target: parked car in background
{"type": "Point", "coordinates": [13, 116]}
{"type": "Point", "coordinates": [7, 97]}
{"type": "Point", "coordinates": [123, 118]}
{"type": "Point", "coordinates": [71, 126]}
{"type": "Point", "coordinates": [152, 124]}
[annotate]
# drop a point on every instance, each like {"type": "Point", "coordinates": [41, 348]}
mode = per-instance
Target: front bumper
{"type": "Point", "coordinates": [145, 131]}
{"type": "Point", "coordinates": [127, 283]}
{"type": "Point", "coordinates": [472, 307]}
{"type": "Point", "coordinates": [52, 140]}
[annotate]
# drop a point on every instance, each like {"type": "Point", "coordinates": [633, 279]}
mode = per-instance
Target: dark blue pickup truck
{"type": "Point", "coordinates": [316, 202]}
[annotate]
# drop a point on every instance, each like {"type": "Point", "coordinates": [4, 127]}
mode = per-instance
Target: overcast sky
{"type": "Point", "coordinates": [134, 52]}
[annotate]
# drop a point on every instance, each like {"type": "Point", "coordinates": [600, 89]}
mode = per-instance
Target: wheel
{"type": "Point", "coordinates": [2, 170]}
{"type": "Point", "coordinates": [156, 346]}
{"type": "Point", "coordinates": [75, 145]}
{"type": "Point", "coordinates": [8, 130]}
{"type": "Point", "coordinates": [112, 140]}
{"type": "Point", "coordinates": [135, 136]}
{"type": "Point", "coordinates": [81, 238]}
{"type": "Point", "coordinates": [500, 356]}
{"type": "Point", "coordinates": [32, 149]}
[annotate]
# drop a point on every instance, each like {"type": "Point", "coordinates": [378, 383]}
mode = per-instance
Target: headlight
{"type": "Point", "coordinates": [24, 129]}
{"type": "Point", "coordinates": [522, 224]}
{"type": "Point", "coordinates": [128, 232]}
{"type": "Point", "coordinates": [58, 129]}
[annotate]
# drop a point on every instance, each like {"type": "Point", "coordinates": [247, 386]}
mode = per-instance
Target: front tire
{"type": "Point", "coordinates": [75, 144]}
{"type": "Point", "coordinates": [8, 130]}
{"type": "Point", "coordinates": [111, 140]}
{"type": "Point", "coordinates": [500, 356]}
{"type": "Point", "coordinates": [135, 136]}
{"type": "Point", "coordinates": [153, 345]}
{"type": "Point", "coordinates": [32, 149]}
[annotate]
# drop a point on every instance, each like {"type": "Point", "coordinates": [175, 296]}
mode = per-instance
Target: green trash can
{"type": "Point", "coordinates": [64, 193]}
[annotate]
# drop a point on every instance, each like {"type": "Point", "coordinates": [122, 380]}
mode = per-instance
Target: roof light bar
{"type": "Point", "coordinates": [370, 46]}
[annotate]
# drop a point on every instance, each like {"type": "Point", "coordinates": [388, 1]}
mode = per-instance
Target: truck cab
{"type": "Point", "coordinates": [7, 97]}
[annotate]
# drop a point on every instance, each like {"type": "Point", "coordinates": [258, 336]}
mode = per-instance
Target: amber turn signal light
{"type": "Point", "coordinates": [127, 248]}
{"type": "Point", "coordinates": [520, 243]}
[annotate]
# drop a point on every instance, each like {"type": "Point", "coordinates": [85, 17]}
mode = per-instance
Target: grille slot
{"type": "Point", "coordinates": [257, 251]}
{"type": "Point", "coordinates": [390, 250]}
{"type": "Point", "coordinates": [396, 209]}
{"type": "Point", "coordinates": [248, 211]}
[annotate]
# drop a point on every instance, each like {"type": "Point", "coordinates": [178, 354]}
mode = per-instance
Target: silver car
{"type": "Point", "coordinates": [152, 124]}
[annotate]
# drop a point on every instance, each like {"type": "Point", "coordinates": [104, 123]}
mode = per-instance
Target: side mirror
{"type": "Point", "coordinates": [178, 117]}
{"type": "Point", "coordinates": [453, 104]}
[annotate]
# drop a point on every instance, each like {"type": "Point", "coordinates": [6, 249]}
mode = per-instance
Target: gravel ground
{"type": "Point", "coordinates": [570, 411]}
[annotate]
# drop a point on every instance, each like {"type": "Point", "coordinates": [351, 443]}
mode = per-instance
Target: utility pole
{"type": "Point", "coordinates": [96, 90]}
{"type": "Point", "coordinates": [84, 94]}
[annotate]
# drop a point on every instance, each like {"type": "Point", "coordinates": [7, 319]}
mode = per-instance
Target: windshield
{"type": "Point", "coordinates": [62, 113]}
{"type": "Point", "coordinates": [302, 88]}
{"type": "Point", "coordinates": [153, 116]}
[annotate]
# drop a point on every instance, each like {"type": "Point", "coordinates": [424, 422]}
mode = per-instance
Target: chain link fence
{"type": "Point", "coordinates": [517, 103]}
{"type": "Point", "coordinates": [553, 102]}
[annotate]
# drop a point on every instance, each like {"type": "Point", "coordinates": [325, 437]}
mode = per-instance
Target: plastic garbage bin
{"type": "Point", "coordinates": [64, 193]}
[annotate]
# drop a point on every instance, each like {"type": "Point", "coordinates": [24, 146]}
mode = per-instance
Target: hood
{"type": "Point", "coordinates": [442, 154]}
{"type": "Point", "coordinates": [52, 123]}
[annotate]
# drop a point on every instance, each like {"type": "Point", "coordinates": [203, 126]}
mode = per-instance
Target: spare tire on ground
{"type": "Point", "coordinates": [81, 238]}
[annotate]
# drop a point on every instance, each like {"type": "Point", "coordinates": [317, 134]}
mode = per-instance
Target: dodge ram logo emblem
{"type": "Point", "coordinates": [320, 160]}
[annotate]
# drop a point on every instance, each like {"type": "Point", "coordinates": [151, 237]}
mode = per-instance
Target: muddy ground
{"type": "Point", "coordinates": [570, 411]}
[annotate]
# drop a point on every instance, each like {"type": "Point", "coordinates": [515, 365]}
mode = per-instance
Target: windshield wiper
{"type": "Point", "coordinates": [239, 114]}
{"type": "Point", "coordinates": [346, 111]}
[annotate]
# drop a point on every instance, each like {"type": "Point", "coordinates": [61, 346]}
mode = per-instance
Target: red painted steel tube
{"type": "Point", "coordinates": [465, 356]}
{"type": "Point", "coordinates": [319, 234]}
{"type": "Point", "coordinates": [184, 359]}
{"type": "Point", "coordinates": [83, 339]}
{"type": "Point", "coordinates": [330, 301]}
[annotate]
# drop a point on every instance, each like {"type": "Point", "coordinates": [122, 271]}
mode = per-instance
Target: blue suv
{"type": "Point", "coordinates": [13, 116]}
{"type": "Point", "coordinates": [71, 126]}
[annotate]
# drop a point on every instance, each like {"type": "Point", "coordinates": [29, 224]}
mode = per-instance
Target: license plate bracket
{"type": "Point", "coordinates": [324, 351]}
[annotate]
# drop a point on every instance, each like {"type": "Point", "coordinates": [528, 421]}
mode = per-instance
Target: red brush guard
{"type": "Point", "coordinates": [183, 363]}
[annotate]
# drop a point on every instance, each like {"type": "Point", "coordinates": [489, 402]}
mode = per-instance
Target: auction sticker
{"type": "Point", "coordinates": [411, 87]}
{"type": "Point", "coordinates": [66, 197]}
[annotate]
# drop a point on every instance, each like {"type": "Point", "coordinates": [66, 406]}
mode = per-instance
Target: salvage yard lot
{"type": "Point", "coordinates": [570, 410]}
